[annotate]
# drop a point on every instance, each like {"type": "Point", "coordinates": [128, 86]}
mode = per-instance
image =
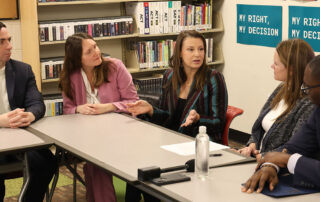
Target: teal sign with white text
{"type": "Point", "coordinates": [259, 25]}
{"type": "Point", "coordinates": [304, 23]}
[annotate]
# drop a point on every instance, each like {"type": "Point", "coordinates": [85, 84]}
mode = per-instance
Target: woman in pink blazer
{"type": "Point", "coordinates": [91, 84]}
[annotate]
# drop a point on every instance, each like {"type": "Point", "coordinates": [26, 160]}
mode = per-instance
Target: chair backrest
{"type": "Point", "coordinates": [11, 170]}
{"type": "Point", "coordinates": [232, 112]}
{"type": "Point", "coordinates": [16, 169]}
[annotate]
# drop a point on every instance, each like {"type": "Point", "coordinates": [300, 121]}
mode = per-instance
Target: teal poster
{"type": "Point", "coordinates": [259, 25]}
{"type": "Point", "coordinates": [304, 23]}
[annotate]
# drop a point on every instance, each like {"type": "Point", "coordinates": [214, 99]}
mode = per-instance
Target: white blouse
{"type": "Point", "coordinates": [271, 117]}
{"type": "Point", "coordinates": [92, 97]}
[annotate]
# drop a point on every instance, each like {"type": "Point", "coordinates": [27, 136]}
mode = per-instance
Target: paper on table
{"type": "Point", "coordinates": [188, 148]}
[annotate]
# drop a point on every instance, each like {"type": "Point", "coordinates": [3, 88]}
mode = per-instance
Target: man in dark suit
{"type": "Point", "coordinates": [299, 155]}
{"type": "Point", "coordinates": [21, 104]}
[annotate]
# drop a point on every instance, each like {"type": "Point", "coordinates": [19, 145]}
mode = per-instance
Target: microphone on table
{"type": "Point", "coordinates": [149, 173]}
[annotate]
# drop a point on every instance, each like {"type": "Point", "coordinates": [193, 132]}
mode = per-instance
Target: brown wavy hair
{"type": "Point", "coordinates": [295, 54]}
{"type": "Point", "coordinates": [72, 63]}
{"type": "Point", "coordinates": [179, 76]}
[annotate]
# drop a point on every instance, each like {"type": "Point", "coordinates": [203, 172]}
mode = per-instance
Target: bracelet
{"type": "Point", "coordinates": [271, 165]}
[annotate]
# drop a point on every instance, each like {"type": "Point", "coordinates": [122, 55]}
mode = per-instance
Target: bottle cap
{"type": "Point", "coordinates": [202, 129]}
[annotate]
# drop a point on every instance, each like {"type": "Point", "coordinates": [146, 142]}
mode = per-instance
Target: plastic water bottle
{"type": "Point", "coordinates": [202, 153]}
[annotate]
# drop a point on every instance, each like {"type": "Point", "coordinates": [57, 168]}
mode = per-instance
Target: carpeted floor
{"type": "Point", "coordinates": [64, 189]}
{"type": "Point", "coordinates": [13, 186]}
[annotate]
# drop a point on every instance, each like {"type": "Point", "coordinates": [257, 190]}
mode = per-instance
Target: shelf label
{"type": "Point", "coordinates": [259, 25]}
{"type": "Point", "coordinates": [304, 23]}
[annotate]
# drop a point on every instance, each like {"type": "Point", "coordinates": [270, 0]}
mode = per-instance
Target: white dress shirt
{"type": "Point", "coordinates": [292, 162]}
{"type": "Point", "coordinates": [4, 102]}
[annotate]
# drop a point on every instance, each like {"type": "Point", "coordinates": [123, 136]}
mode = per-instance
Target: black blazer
{"type": "Point", "coordinates": [22, 89]}
{"type": "Point", "coordinates": [307, 143]}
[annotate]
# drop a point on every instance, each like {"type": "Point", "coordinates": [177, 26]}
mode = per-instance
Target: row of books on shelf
{"type": "Point", "coordinates": [169, 16]}
{"type": "Point", "coordinates": [98, 27]}
{"type": "Point", "coordinates": [42, 1]}
{"type": "Point", "coordinates": [54, 105]}
{"type": "Point", "coordinates": [51, 68]}
{"type": "Point", "coordinates": [156, 54]}
{"type": "Point", "coordinates": [149, 85]}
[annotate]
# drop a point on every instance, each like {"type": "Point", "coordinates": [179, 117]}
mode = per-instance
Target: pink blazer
{"type": "Point", "coordinates": [119, 91]}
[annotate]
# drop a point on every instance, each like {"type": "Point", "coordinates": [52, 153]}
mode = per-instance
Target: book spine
{"type": "Point", "coordinates": [57, 108]}
{"type": "Point", "coordinates": [53, 108]}
{"type": "Point", "coordinates": [62, 32]}
{"type": "Point", "coordinates": [151, 17]}
{"type": "Point", "coordinates": [157, 17]}
{"type": "Point", "coordinates": [146, 17]}
{"type": "Point", "coordinates": [55, 70]}
{"type": "Point", "coordinates": [209, 17]}
{"type": "Point", "coordinates": [178, 8]}
{"type": "Point", "coordinates": [197, 17]}
{"type": "Point", "coordinates": [61, 107]}
{"type": "Point", "coordinates": [43, 70]}
{"type": "Point", "coordinates": [51, 70]}
{"type": "Point", "coordinates": [50, 32]}
{"type": "Point", "coordinates": [165, 17]}
{"type": "Point", "coordinates": [141, 17]}
{"type": "Point", "coordinates": [170, 17]}
{"type": "Point", "coordinates": [42, 33]}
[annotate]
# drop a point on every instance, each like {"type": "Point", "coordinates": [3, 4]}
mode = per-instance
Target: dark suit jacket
{"type": "Point", "coordinates": [307, 143]}
{"type": "Point", "coordinates": [22, 89]}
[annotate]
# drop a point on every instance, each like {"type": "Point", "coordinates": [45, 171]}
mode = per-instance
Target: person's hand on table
{"type": "Point", "coordinates": [16, 118]}
{"type": "Point", "coordinates": [279, 158]}
{"type": "Point", "coordinates": [259, 178]}
{"type": "Point", "coordinates": [247, 151]}
{"type": "Point", "coordinates": [140, 107]}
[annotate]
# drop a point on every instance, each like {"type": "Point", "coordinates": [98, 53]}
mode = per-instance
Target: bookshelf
{"type": "Point", "coordinates": [34, 12]}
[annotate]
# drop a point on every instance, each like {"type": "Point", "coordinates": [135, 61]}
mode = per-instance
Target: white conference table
{"type": "Point", "coordinates": [116, 142]}
{"type": "Point", "coordinates": [18, 141]}
{"type": "Point", "coordinates": [15, 140]}
{"type": "Point", "coordinates": [121, 144]}
{"type": "Point", "coordinates": [224, 185]}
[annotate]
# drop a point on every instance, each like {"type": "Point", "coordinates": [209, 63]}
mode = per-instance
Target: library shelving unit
{"type": "Point", "coordinates": [33, 12]}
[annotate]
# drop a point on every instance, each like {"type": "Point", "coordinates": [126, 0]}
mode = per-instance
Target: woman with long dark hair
{"type": "Point", "coordinates": [92, 84]}
{"type": "Point", "coordinates": [192, 95]}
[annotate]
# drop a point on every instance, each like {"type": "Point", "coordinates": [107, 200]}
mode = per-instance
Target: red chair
{"type": "Point", "coordinates": [232, 112]}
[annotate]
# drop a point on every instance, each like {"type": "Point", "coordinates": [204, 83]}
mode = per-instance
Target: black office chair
{"type": "Point", "coordinates": [17, 167]}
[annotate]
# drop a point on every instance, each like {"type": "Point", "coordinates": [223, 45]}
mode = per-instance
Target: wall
{"type": "Point", "coordinates": [247, 69]}
{"type": "Point", "coordinates": [13, 27]}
